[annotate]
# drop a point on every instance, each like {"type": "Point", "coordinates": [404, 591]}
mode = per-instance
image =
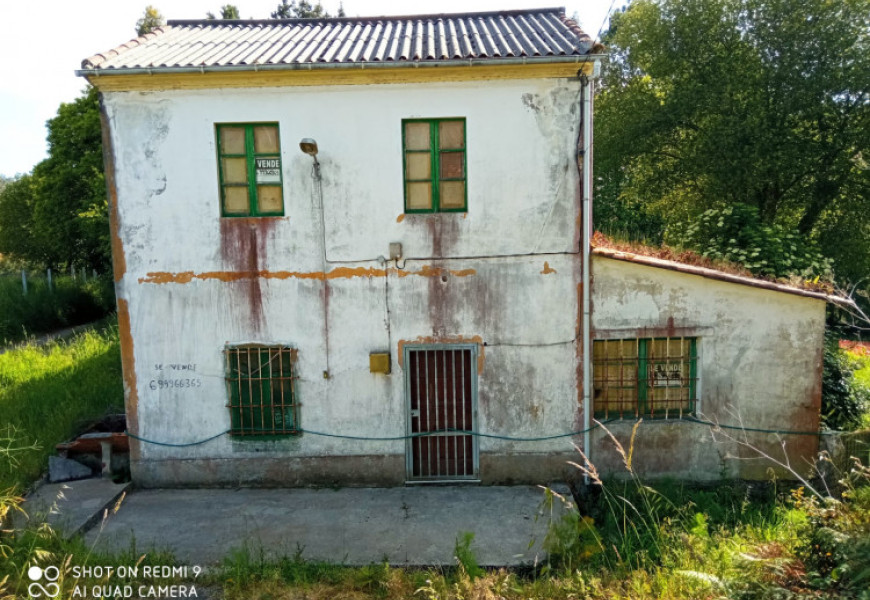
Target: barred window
{"type": "Point", "coordinates": [262, 390]}
{"type": "Point", "coordinates": [635, 378]}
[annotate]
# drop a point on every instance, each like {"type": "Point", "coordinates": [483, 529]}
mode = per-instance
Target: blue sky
{"type": "Point", "coordinates": [42, 47]}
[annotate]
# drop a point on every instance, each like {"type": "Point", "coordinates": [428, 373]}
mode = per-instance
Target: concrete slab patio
{"type": "Point", "coordinates": [414, 526]}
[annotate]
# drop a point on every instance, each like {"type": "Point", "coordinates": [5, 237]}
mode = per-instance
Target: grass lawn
{"type": "Point", "coordinates": [47, 393]}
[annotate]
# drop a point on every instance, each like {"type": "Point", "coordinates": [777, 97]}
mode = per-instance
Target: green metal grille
{"type": "Point", "coordinates": [261, 386]}
{"type": "Point", "coordinates": [652, 377]}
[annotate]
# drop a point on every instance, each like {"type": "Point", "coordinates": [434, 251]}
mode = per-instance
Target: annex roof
{"type": "Point", "coordinates": [709, 273]}
{"type": "Point", "coordinates": [528, 36]}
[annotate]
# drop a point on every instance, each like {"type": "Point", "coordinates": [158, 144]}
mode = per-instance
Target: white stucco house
{"type": "Point", "coordinates": [354, 251]}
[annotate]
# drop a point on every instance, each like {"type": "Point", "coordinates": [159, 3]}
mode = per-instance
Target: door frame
{"type": "Point", "coordinates": [409, 442]}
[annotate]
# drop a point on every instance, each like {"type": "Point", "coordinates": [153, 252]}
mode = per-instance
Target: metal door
{"type": "Point", "coordinates": [441, 387]}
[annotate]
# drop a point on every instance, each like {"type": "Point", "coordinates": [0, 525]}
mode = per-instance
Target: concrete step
{"type": "Point", "coordinates": [70, 507]}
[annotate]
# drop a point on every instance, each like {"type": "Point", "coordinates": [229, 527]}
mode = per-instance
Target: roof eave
{"type": "Point", "coordinates": [469, 62]}
{"type": "Point", "coordinates": [720, 275]}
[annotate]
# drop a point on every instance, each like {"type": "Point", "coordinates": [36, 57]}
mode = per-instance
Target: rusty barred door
{"type": "Point", "coordinates": [441, 387]}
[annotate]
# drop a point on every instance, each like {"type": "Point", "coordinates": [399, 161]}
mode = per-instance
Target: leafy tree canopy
{"type": "Point", "coordinates": [303, 9]}
{"type": "Point", "coordinates": [228, 11]}
{"type": "Point", "coordinates": [59, 213]}
{"type": "Point", "coordinates": [152, 19]}
{"type": "Point", "coordinates": [707, 104]}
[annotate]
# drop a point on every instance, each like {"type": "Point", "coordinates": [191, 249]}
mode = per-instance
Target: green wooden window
{"type": "Point", "coordinates": [653, 377]}
{"type": "Point", "coordinates": [261, 385]}
{"type": "Point", "coordinates": [249, 163]}
{"type": "Point", "coordinates": [434, 165]}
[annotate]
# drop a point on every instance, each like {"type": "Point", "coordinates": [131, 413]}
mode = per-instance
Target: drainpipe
{"type": "Point", "coordinates": [586, 243]}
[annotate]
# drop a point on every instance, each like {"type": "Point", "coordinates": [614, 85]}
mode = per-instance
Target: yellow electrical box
{"type": "Point", "coordinates": [379, 362]}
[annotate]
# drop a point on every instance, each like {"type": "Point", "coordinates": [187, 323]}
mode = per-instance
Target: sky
{"type": "Point", "coordinates": [42, 47]}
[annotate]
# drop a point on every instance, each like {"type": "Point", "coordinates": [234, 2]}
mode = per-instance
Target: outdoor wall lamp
{"type": "Point", "coordinates": [309, 147]}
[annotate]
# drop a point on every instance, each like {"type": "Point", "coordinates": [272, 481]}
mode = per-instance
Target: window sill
{"type": "Point", "coordinates": [646, 418]}
{"type": "Point", "coordinates": [252, 220]}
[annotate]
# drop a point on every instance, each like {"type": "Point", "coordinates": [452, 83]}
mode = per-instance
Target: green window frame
{"type": "Point", "coordinates": [645, 377]}
{"type": "Point", "coordinates": [250, 176]}
{"type": "Point", "coordinates": [434, 165]}
{"type": "Point", "coordinates": [261, 386]}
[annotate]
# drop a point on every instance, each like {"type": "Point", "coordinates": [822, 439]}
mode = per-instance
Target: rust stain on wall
{"type": "Point", "coordinates": [547, 270]}
{"type": "Point", "coordinates": [400, 218]}
{"type": "Point", "coordinates": [183, 277]}
{"type": "Point", "coordinates": [430, 271]}
{"type": "Point", "coordinates": [128, 367]}
{"type": "Point", "coordinates": [119, 261]}
{"type": "Point", "coordinates": [449, 339]}
{"type": "Point", "coordinates": [243, 247]}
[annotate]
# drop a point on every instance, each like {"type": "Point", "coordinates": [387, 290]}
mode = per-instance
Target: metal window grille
{"type": "Point", "coordinates": [262, 391]}
{"type": "Point", "coordinates": [442, 386]}
{"type": "Point", "coordinates": [635, 378]}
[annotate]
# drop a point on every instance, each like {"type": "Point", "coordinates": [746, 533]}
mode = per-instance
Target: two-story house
{"type": "Point", "coordinates": [353, 251]}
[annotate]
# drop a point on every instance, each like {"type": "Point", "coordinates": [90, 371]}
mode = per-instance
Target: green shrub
{"type": "Point", "coordinates": [736, 234]}
{"type": "Point", "coordinates": [845, 398]}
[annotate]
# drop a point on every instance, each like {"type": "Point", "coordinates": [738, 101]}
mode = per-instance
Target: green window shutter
{"type": "Point", "coordinates": [434, 165]}
{"type": "Point", "coordinates": [249, 169]}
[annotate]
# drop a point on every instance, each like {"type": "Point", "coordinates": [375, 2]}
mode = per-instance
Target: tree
{"type": "Point", "coordinates": [228, 11]}
{"type": "Point", "coordinates": [707, 104]}
{"type": "Point", "coordinates": [59, 213]}
{"type": "Point", "coordinates": [152, 19]}
{"type": "Point", "coordinates": [303, 10]}
{"type": "Point", "coordinates": [17, 236]}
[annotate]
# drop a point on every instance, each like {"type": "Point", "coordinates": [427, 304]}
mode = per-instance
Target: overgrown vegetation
{"type": "Point", "coordinates": [48, 392]}
{"type": "Point", "coordinates": [637, 541]}
{"type": "Point", "coordinates": [736, 234]}
{"type": "Point", "coordinates": [671, 540]}
{"type": "Point", "coordinates": [845, 387]}
{"type": "Point", "coordinates": [67, 302]}
{"type": "Point", "coordinates": [739, 129]}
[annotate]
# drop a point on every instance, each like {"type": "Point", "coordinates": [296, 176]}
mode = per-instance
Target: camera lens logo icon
{"type": "Point", "coordinates": [44, 582]}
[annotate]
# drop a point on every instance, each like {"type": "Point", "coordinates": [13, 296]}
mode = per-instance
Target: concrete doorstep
{"type": "Point", "coordinates": [409, 526]}
{"type": "Point", "coordinates": [70, 507]}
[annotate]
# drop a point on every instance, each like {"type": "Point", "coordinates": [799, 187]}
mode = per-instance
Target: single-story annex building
{"type": "Point", "coordinates": [357, 251]}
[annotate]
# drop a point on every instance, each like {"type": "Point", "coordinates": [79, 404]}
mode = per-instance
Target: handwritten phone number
{"type": "Point", "coordinates": [167, 384]}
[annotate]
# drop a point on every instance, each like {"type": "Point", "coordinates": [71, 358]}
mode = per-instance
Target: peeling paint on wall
{"type": "Point", "coordinates": [159, 278]}
{"type": "Point", "coordinates": [119, 262]}
{"type": "Point", "coordinates": [128, 366]}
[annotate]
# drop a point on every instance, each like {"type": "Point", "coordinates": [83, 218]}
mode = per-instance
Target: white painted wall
{"type": "Point", "coordinates": [759, 365]}
{"type": "Point", "coordinates": [522, 213]}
